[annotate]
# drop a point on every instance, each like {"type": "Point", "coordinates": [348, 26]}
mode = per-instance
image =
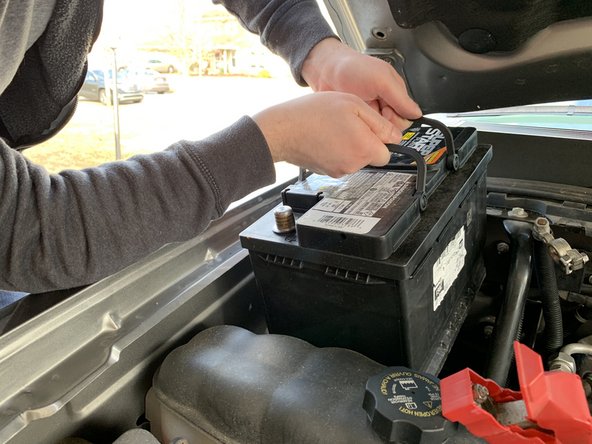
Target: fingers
{"type": "Point", "coordinates": [382, 131]}
{"type": "Point", "coordinates": [354, 136]}
{"type": "Point", "coordinates": [381, 157]}
{"type": "Point", "coordinates": [332, 133]}
{"type": "Point", "coordinates": [375, 105]}
{"type": "Point", "coordinates": [382, 127]}
{"type": "Point", "coordinates": [363, 133]}
{"type": "Point", "coordinates": [389, 114]}
{"type": "Point", "coordinates": [333, 66]}
{"type": "Point", "coordinates": [392, 91]}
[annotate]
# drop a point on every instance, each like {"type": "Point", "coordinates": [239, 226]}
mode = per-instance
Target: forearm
{"type": "Point", "coordinates": [289, 28]}
{"type": "Point", "coordinates": [76, 227]}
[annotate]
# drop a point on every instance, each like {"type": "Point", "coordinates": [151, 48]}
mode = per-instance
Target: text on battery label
{"type": "Point", "coordinates": [332, 205]}
{"type": "Point", "coordinates": [427, 142]}
{"type": "Point", "coordinates": [364, 194]}
{"type": "Point", "coordinates": [448, 266]}
{"type": "Point", "coordinates": [341, 221]}
{"type": "Point", "coordinates": [348, 224]}
{"type": "Point", "coordinates": [355, 185]}
{"type": "Point", "coordinates": [384, 192]}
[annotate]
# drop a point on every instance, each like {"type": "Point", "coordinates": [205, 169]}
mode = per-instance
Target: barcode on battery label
{"type": "Point", "coordinates": [341, 221]}
{"type": "Point", "coordinates": [345, 223]}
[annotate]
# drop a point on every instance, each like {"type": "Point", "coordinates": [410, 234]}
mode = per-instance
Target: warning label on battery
{"type": "Point", "coordinates": [357, 205]}
{"type": "Point", "coordinates": [448, 267]}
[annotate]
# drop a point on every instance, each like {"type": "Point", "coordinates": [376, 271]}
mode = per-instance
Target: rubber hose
{"type": "Point", "coordinates": [545, 271]}
{"type": "Point", "coordinates": [509, 318]}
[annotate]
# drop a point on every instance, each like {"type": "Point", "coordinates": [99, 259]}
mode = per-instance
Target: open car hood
{"type": "Point", "coordinates": [476, 54]}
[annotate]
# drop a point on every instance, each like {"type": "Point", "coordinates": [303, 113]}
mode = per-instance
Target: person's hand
{"type": "Point", "coordinates": [334, 66]}
{"type": "Point", "coordinates": [329, 133]}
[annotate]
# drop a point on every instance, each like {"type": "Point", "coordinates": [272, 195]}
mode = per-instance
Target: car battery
{"type": "Point", "coordinates": [384, 261]}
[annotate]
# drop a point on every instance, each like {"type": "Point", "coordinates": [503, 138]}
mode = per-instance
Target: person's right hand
{"type": "Point", "coordinates": [330, 133]}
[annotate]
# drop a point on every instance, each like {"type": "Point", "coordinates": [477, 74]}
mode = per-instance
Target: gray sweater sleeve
{"type": "Point", "coordinates": [73, 228]}
{"type": "Point", "coordinates": [289, 28]}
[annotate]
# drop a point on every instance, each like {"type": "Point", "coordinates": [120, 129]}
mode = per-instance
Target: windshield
{"type": "Point", "coordinates": [571, 115]}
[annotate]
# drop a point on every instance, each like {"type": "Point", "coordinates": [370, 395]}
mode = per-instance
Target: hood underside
{"type": "Point", "coordinates": [476, 54]}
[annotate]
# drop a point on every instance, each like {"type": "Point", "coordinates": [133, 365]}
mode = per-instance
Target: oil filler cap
{"type": "Point", "coordinates": [405, 406]}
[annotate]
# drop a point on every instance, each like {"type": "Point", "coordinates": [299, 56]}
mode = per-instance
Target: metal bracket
{"type": "Point", "coordinates": [569, 258]}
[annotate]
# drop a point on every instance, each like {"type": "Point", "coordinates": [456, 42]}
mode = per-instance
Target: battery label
{"type": "Point", "coordinates": [356, 205]}
{"type": "Point", "coordinates": [448, 267]}
{"type": "Point", "coordinates": [429, 142]}
{"type": "Point", "coordinates": [349, 224]}
{"type": "Point", "coordinates": [424, 140]}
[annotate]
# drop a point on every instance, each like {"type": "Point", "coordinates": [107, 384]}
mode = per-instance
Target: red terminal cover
{"type": "Point", "coordinates": [555, 401]}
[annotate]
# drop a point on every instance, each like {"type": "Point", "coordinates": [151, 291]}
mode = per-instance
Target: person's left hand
{"type": "Point", "coordinates": [334, 66]}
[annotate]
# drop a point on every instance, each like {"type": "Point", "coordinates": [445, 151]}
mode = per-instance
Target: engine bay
{"type": "Point", "coordinates": [469, 275]}
{"type": "Point", "coordinates": [444, 298]}
{"type": "Point", "coordinates": [96, 355]}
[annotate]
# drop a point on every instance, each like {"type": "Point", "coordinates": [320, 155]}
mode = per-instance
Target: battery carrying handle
{"type": "Point", "coordinates": [422, 170]}
{"type": "Point", "coordinates": [452, 162]}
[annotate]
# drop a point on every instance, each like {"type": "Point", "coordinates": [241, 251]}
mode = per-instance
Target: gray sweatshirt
{"type": "Point", "coordinates": [76, 227]}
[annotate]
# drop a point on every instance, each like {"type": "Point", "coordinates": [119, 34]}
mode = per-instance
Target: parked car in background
{"type": "Point", "coordinates": [98, 86]}
{"type": "Point", "coordinates": [152, 81]}
{"type": "Point", "coordinates": [162, 63]}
